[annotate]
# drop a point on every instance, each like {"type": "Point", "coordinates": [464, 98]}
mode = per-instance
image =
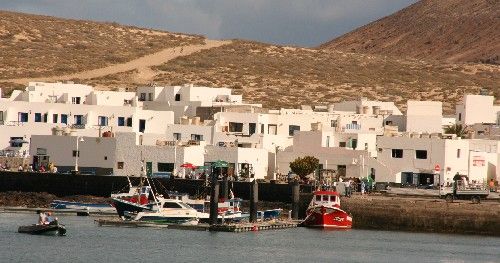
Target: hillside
{"type": "Point", "coordinates": [287, 77]}
{"type": "Point", "coordinates": [34, 45]}
{"type": "Point", "coordinates": [116, 56]}
{"type": "Point", "coordinates": [448, 30]}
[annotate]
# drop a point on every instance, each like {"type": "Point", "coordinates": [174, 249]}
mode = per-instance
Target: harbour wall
{"type": "Point", "coordinates": [96, 185]}
{"type": "Point", "coordinates": [423, 215]}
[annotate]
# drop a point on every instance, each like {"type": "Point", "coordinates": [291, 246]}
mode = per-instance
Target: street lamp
{"type": "Point", "coordinates": [78, 139]}
{"type": "Point", "coordinates": [276, 169]}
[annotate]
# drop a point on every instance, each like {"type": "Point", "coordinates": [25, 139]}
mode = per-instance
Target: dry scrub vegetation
{"type": "Point", "coordinates": [34, 46]}
{"type": "Point", "coordinates": [287, 77]}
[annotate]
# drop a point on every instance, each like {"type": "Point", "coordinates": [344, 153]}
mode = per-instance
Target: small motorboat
{"type": "Point", "coordinates": [91, 207]}
{"type": "Point", "coordinates": [51, 229]}
{"type": "Point", "coordinates": [324, 211]}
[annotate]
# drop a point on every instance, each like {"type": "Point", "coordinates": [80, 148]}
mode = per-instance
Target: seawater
{"type": "Point", "coordinates": [87, 242]}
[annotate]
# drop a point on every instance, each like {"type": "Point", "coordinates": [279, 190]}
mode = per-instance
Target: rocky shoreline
{"type": "Point", "coordinates": [42, 200]}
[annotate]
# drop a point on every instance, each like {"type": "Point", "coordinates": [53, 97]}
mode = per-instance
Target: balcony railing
{"type": "Point", "coordinates": [352, 126]}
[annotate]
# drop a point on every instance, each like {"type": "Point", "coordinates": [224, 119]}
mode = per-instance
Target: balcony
{"type": "Point", "coordinates": [78, 126]}
{"type": "Point", "coordinates": [351, 126]}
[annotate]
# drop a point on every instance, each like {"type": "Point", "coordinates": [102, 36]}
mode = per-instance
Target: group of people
{"type": "Point", "coordinates": [45, 218]}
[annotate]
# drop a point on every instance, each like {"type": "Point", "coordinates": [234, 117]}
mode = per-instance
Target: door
{"type": "Point", "coordinates": [142, 125]}
{"type": "Point", "coordinates": [149, 169]}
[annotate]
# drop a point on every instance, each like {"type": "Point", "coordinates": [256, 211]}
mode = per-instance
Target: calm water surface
{"type": "Point", "coordinates": [86, 242]}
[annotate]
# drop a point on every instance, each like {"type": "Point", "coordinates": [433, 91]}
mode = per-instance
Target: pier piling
{"type": "Point", "coordinates": [254, 199]}
{"type": "Point", "coordinates": [214, 200]}
{"type": "Point", "coordinates": [295, 200]}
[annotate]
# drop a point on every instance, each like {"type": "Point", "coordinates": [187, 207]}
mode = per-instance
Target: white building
{"type": "Point", "coordinates": [424, 116]}
{"type": "Point", "coordinates": [477, 109]}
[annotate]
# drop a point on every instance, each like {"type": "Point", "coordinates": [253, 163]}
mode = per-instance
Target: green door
{"type": "Point", "coordinates": [149, 169]}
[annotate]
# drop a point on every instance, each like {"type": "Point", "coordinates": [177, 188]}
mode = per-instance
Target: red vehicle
{"type": "Point", "coordinates": [324, 211]}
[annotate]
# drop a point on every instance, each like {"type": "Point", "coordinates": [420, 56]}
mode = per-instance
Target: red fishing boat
{"type": "Point", "coordinates": [324, 211]}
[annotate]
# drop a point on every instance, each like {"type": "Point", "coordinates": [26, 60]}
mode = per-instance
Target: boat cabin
{"type": "Point", "coordinates": [326, 198]}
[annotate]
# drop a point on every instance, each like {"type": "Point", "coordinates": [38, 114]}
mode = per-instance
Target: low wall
{"type": "Point", "coordinates": [424, 215]}
{"type": "Point", "coordinates": [67, 184]}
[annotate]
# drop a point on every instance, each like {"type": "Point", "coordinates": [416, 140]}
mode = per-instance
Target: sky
{"type": "Point", "coordinates": [286, 22]}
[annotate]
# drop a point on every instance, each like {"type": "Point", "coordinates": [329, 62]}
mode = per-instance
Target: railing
{"type": "Point", "coordinates": [78, 126]}
{"type": "Point", "coordinates": [352, 126]}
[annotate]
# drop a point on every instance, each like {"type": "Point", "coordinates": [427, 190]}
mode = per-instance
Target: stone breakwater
{"type": "Point", "coordinates": [423, 215]}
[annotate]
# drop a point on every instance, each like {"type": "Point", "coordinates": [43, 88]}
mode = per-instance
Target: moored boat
{"type": "Point", "coordinates": [324, 211]}
{"type": "Point", "coordinates": [169, 211]}
{"type": "Point", "coordinates": [52, 229]}
{"type": "Point", "coordinates": [91, 207]}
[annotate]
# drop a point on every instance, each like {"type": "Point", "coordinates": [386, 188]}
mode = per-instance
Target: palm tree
{"type": "Point", "coordinates": [457, 129]}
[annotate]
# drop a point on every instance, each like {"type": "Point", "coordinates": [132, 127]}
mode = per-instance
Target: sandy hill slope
{"type": "Point", "coordinates": [286, 77]}
{"type": "Point", "coordinates": [34, 45]}
{"type": "Point", "coordinates": [116, 56]}
{"type": "Point", "coordinates": [449, 30]}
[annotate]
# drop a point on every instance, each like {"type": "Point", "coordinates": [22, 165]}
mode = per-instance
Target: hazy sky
{"type": "Point", "coordinates": [294, 22]}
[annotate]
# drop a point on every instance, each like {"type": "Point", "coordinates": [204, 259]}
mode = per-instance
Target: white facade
{"type": "Point", "coordinates": [476, 109]}
{"type": "Point", "coordinates": [424, 116]}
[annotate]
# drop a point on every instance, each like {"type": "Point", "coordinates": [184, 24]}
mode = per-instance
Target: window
{"type": "Point", "coordinates": [142, 97]}
{"type": "Point", "coordinates": [342, 144]}
{"type": "Point", "coordinates": [129, 122]}
{"type": "Point", "coordinates": [458, 153]}
{"type": "Point", "coordinates": [1, 117]}
{"type": "Point", "coordinates": [121, 121]}
{"type": "Point", "coordinates": [325, 198]}
{"type": "Point", "coordinates": [120, 165]}
{"type": "Point", "coordinates": [78, 119]}
{"type": "Point", "coordinates": [353, 143]}
{"type": "Point", "coordinates": [38, 117]}
{"type": "Point", "coordinates": [102, 121]}
{"type": "Point", "coordinates": [54, 118]}
{"type": "Point", "coordinates": [45, 117]}
{"type": "Point", "coordinates": [366, 146]}
{"type": "Point", "coordinates": [272, 129]}
{"type": "Point", "coordinates": [333, 123]}
{"type": "Point", "coordinates": [388, 122]}
{"type": "Point", "coordinates": [332, 198]}
{"type": "Point", "coordinates": [75, 100]}
{"type": "Point", "coordinates": [235, 127]}
{"type": "Point", "coordinates": [22, 117]}
{"type": "Point", "coordinates": [459, 116]}
{"type": "Point", "coordinates": [150, 96]}
{"type": "Point", "coordinates": [196, 137]}
{"type": "Point", "coordinates": [16, 141]}
{"type": "Point", "coordinates": [165, 167]}
{"type": "Point", "coordinates": [292, 129]}
{"type": "Point", "coordinates": [142, 125]}
{"type": "Point", "coordinates": [177, 97]}
{"type": "Point", "coordinates": [420, 154]}
{"type": "Point", "coordinates": [397, 153]}
{"type": "Point", "coordinates": [252, 127]}
{"type": "Point", "coordinates": [354, 122]}
{"type": "Point", "coordinates": [177, 136]}
{"type": "Point", "coordinates": [327, 141]}
{"type": "Point", "coordinates": [105, 158]}
{"type": "Point", "coordinates": [171, 205]}
{"type": "Point", "coordinates": [318, 198]}
{"type": "Point", "coordinates": [262, 128]}
{"type": "Point", "coordinates": [64, 118]}
{"type": "Point", "coordinates": [76, 153]}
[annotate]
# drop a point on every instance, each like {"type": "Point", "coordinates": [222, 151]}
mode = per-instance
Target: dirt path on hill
{"type": "Point", "coordinates": [142, 64]}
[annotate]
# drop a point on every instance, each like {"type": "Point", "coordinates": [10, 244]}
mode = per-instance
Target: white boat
{"type": "Point", "coordinates": [168, 211]}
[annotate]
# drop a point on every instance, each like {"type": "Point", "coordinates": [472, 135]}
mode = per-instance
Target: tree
{"type": "Point", "coordinates": [304, 166]}
{"type": "Point", "coordinates": [458, 129]}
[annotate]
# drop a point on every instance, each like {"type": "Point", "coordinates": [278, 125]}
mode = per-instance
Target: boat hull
{"type": "Point", "coordinates": [48, 230]}
{"type": "Point", "coordinates": [124, 207]}
{"type": "Point", "coordinates": [327, 217]}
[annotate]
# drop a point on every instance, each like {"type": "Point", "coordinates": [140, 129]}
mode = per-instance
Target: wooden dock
{"type": "Point", "coordinates": [236, 228]}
